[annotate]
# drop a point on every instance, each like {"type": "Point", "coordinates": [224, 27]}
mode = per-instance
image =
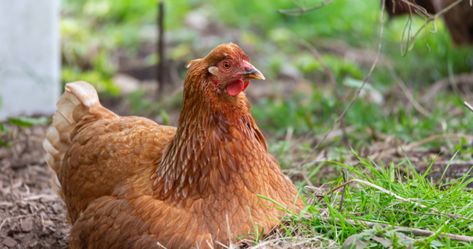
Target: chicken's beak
{"type": "Point", "coordinates": [250, 72]}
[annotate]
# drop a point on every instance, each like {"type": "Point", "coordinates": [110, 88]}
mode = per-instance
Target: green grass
{"type": "Point", "coordinates": [382, 199]}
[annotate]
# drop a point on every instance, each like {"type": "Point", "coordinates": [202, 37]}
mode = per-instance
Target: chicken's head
{"type": "Point", "coordinates": [228, 69]}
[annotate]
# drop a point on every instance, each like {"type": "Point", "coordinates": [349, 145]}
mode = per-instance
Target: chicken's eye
{"type": "Point", "coordinates": [226, 65]}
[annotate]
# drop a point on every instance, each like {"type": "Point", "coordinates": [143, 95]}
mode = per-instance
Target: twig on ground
{"type": "Point", "coordinates": [44, 197]}
{"type": "Point", "coordinates": [6, 204]}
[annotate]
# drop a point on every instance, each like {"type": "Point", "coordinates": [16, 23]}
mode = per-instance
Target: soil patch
{"type": "Point", "coordinates": [31, 214]}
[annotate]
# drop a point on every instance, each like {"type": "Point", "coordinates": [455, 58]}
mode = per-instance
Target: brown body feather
{"type": "Point", "coordinates": [131, 183]}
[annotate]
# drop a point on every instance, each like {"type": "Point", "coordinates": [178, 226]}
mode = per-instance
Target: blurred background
{"type": "Point", "coordinates": [344, 79]}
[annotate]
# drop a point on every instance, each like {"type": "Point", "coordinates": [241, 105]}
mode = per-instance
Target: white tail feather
{"type": "Point", "coordinates": [76, 101]}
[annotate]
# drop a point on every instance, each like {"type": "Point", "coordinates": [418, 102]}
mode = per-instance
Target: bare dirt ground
{"type": "Point", "coordinates": [31, 214]}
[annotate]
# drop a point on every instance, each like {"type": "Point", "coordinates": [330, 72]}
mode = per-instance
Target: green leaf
{"type": "Point", "coordinates": [27, 121]}
{"type": "Point", "coordinates": [354, 83]}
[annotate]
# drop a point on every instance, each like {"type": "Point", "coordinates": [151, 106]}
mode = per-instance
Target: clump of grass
{"type": "Point", "coordinates": [388, 207]}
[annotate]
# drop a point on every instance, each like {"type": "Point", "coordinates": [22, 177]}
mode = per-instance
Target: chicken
{"type": "Point", "coordinates": [129, 182]}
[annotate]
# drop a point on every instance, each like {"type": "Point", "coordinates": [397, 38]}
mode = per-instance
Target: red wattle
{"type": "Point", "coordinates": [236, 87]}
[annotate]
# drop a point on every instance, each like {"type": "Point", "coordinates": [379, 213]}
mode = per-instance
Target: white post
{"type": "Point", "coordinates": [29, 57]}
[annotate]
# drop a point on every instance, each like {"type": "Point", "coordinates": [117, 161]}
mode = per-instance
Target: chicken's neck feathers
{"type": "Point", "coordinates": [211, 144]}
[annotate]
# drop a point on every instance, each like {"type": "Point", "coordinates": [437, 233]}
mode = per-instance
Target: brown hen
{"type": "Point", "coordinates": [129, 182]}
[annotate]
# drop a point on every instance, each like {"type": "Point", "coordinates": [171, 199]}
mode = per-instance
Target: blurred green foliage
{"type": "Point", "coordinates": [96, 32]}
{"type": "Point", "coordinates": [27, 121]}
{"type": "Point", "coordinates": [93, 30]}
{"type": "Point", "coordinates": [22, 122]}
{"type": "Point", "coordinates": [317, 114]}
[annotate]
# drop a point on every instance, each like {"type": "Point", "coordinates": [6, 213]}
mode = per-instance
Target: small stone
{"type": "Point", "coordinates": [27, 224]}
{"type": "Point", "coordinates": [9, 242]}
